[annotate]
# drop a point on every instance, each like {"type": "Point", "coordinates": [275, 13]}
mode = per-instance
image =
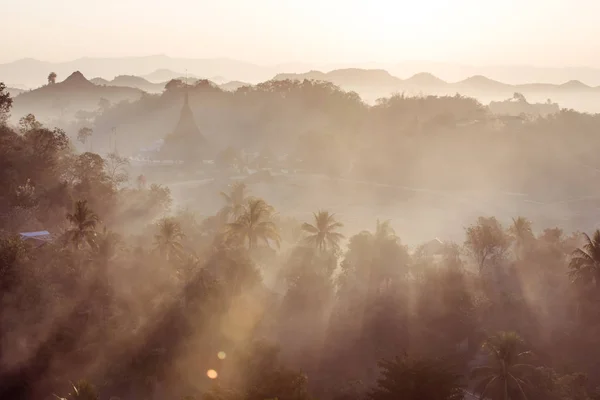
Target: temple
{"type": "Point", "coordinates": [186, 143]}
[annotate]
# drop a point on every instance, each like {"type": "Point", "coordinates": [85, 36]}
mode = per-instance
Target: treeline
{"type": "Point", "coordinates": [430, 141]}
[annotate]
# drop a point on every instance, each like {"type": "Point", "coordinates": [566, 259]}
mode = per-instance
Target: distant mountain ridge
{"type": "Point", "coordinates": [131, 81]}
{"type": "Point", "coordinates": [159, 68]}
{"type": "Point", "coordinates": [379, 78]}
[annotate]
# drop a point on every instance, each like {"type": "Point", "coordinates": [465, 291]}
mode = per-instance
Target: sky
{"type": "Point", "coordinates": [477, 32]}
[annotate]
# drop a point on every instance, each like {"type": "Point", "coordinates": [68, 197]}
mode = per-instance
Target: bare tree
{"type": "Point", "coordinates": [116, 168]}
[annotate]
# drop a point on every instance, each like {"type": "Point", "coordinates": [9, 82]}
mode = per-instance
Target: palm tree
{"type": "Point", "coordinates": [168, 240]}
{"type": "Point", "coordinates": [585, 261]}
{"type": "Point", "coordinates": [83, 225]}
{"type": "Point", "coordinates": [235, 201]}
{"type": "Point", "coordinates": [254, 224]}
{"type": "Point", "coordinates": [506, 375]}
{"type": "Point", "coordinates": [323, 232]}
{"type": "Point", "coordinates": [521, 231]}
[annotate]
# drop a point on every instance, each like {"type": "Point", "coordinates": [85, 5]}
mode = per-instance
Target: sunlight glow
{"type": "Point", "coordinates": [212, 374]}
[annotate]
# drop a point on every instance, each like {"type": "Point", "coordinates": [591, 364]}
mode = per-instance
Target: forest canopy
{"type": "Point", "coordinates": [129, 296]}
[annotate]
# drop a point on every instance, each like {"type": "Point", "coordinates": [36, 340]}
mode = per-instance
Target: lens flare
{"type": "Point", "coordinates": [221, 355]}
{"type": "Point", "coordinates": [212, 374]}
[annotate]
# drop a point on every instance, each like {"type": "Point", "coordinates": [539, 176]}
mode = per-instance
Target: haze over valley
{"type": "Point", "coordinates": [279, 201]}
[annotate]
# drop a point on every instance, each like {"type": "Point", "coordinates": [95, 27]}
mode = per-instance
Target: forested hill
{"type": "Point", "coordinates": [64, 99]}
{"type": "Point", "coordinates": [447, 141]}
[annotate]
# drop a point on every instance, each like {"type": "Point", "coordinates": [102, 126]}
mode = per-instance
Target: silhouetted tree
{"type": "Point", "coordinates": [255, 224]}
{"type": "Point", "coordinates": [584, 267]}
{"type": "Point", "coordinates": [506, 376]}
{"type": "Point", "coordinates": [116, 168]}
{"type": "Point", "coordinates": [322, 232]}
{"type": "Point", "coordinates": [168, 239]}
{"type": "Point", "coordinates": [486, 241]}
{"type": "Point", "coordinates": [5, 104]}
{"type": "Point", "coordinates": [84, 133]}
{"type": "Point", "coordinates": [83, 225]}
{"type": "Point", "coordinates": [234, 201]}
{"type": "Point", "coordinates": [522, 233]}
{"type": "Point", "coordinates": [51, 78]}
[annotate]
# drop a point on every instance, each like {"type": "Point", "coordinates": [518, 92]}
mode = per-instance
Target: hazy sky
{"type": "Point", "coordinates": [535, 32]}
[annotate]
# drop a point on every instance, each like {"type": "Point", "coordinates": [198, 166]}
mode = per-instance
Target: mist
{"type": "Point", "coordinates": [185, 228]}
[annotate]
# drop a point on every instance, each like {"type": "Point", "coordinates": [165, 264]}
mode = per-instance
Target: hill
{"type": "Point", "coordinates": [425, 79]}
{"type": "Point", "coordinates": [100, 81]}
{"type": "Point", "coordinates": [354, 77]}
{"type": "Point", "coordinates": [233, 85]}
{"type": "Point", "coordinates": [479, 82]}
{"type": "Point", "coordinates": [131, 81]}
{"type": "Point", "coordinates": [69, 96]}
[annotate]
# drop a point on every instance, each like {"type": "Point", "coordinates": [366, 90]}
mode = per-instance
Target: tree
{"type": "Point", "coordinates": [83, 225]}
{"type": "Point", "coordinates": [103, 105]}
{"type": "Point", "coordinates": [521, 232]}
{"type": "Point", "coordinates": [234, 201]}
{"type": "Point", "coordinates": [266, 378]}
{"type": "Point", "coordinates": [323, 233]}
{"type": "Point", "coordinates": [174, 84]}
{"type": "Point", "coordinates": [384, 232]}
{"type": "Point", "coordinates": [5, 104]}
{"type": "Point", "coordinates": [417, 379]}
{"type": "Point", "coordinates": [29, 123]}
{"type": "Point", "coordinates": [168, 239]}
{"type": "Point", "coordinates": [519, 97]}
{"type": "Point", "coordinates": [90, 181]}
{"type": "Point", "coordinates": [486, 241]}
{"type": "Point", "coordinates": [584, 266]}
{"type": "Point", "coordinates": [12, 252]}
{"type": "Point", "coordinates": [116, 168]}
{"type": "Point", "coordinates": [506, 376]}
{"type": "Point", "coordinates": [84, 133]}
{"type": "Point", "coordinates": [308, 273]}
{"type": "Point", "coordinates": [51, 78]}
{"type": "Point", "coordinates": [255, 224]}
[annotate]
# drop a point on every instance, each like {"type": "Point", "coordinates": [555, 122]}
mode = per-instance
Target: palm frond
{"type": "Point", "coordinates": [309, 228]}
